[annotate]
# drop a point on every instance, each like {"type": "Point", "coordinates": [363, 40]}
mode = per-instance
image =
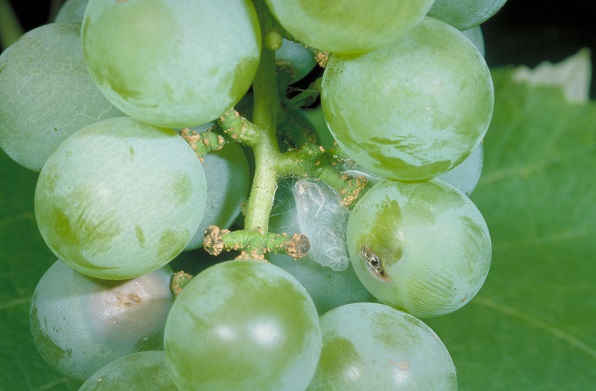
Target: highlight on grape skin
{"type": "Point", "coordinates": [133, 47]}
{"type": "Point", "coordinates": [119, 199]}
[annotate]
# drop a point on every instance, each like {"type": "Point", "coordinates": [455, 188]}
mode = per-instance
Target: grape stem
{"type": "Point", "coordinates": [265, 146]}
{"type": "Point", "coordinates": [309, 161]}
{"type": "Point", "coordinates": [313, 161]}
{"type": "Point", "coordinates": [254, 244]}
{"type": "Point", "coordinates": [203, 142]}
{"type": "Point", "coordinates": [306, 160]}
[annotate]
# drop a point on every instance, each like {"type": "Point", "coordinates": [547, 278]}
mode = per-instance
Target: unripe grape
{"type": "Point", "coordinates": [119, 199]}
{"type": "Point", "coordinates": [422, 247]}
{"type": "Point", "coordinates": [79, 324]}
{"type": "Point", "coordinates": [46, 93]}
{"type": "Point", "coordinates": [243, 325]}
{"type": "Point", "coordinates": [368, 346]}
{"type": "Point", "coordinates": [348, 26]}
{"type": "Point", "coordinates": [465, 14]}
{"type": "Point", "coordinates": [172, 64]}
{"type": "Point", "coordinates": [143, 371]}
{"type": "Point", "coordinates": [413, 109]}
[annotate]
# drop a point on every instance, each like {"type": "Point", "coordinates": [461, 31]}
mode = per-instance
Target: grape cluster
{"type": "Point", "coordinates": [262, 129]}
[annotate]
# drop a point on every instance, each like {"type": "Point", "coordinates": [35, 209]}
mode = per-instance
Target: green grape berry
{"type": "Point", "coordinates": [227, 174]}
{"type": "Point", "coordinates": [406, 98]}
{"type": "Point", "coordinates": [475, 35]}
{"type": "Point", "coordinates": [465, 14]}
{"type": "Point", "coordinates": [172, 64]}
{"type": "Point", "coordinates": [71, 11]}
{"type": "Point", "coordinates": [466, 175]}
{"type": "Point", "coordinates": [142, 371]}
{"type": "Point", "coordinates": [348, 26]}
{"type": "Point", "coordinates": [243, 325]}
{"type": "Point", "coordinates": [413, 109]}
{"type": "Point", "coordinates": [46, 93]}
{"type": "Point", "coordinates": [369, 346]}
{"type": "Point", "coordinates": [79, 324]}
{"type": "Point", "coordinates": [119, 199]}
{"type": "Point", "coordinates": [299, 59]}
{"type": "Point", "coordinates": [422, 247]}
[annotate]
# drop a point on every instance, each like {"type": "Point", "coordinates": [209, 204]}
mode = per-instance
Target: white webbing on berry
{"type": "Point", "coordinates": [321, 217]}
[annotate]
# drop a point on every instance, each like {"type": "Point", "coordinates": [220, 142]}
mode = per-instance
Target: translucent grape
{"type": "Point", "coordinates": [140, 371]}
{"type": "Point", "coordinates": [71, 11]}
{"type": "Point", "coordinates": [369, 346]}
{"type": "Point", "coordinates": [296, 56]}
{"type": "Point", "coordinates": [173, 64]}
{"type": "Point", "coordinates": [118, 198]}
{"type": "Point", "coordinates": [317, 119]}
{"type": "Point", "coordinates": [327, 288]}
{"type": "Point", "coordinates": [474, 34]}
{"type": "Point", "coordinates": [227, 177]}
{"type": "Point", "coordinates": [466, 175]}
{"type": "Point", "coordinates": [422, 247]}
{"type": "Point", "coordinates": [79, 324]}
{"type": "Point", "coordinates": [348, 26]}
{"type": "Point", "coordinates": [465, 14]}
{"type": "Point", "coordinates": [46, 93]}
{"type": "Point", "coordinates": [243, 325]}
{"type": "Point", "coordinates": [295, 130]}
{"type": "Point", "coordinates": [411, 110]}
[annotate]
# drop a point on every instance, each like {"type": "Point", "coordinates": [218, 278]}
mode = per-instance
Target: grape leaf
{"type": "Point", "coordinates": [24, 258]}
{"type": "Point", "coordinates": [533, 324]}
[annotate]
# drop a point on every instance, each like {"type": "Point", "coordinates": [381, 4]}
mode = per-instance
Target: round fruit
{"type": "Point", "coordinates": [348, 26]}
{"type": "Point", "coordinates": [368, 346]}
{"type": "Point", "coordinates": [421, 247]}
{"type": "Point", "coordinates": [79, 324]}
{"type": "Point", "coordinates": [172, 63]}
{"type": "Point", "coordinates": [243, 325]}
{"type": "Point", "coordinates": [119, 199]}
{"type": "Point", "coordinates": [413, 109]}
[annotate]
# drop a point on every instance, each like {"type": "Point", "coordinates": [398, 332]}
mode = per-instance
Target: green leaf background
{"type": "Point", "coordinates": [533, 324]}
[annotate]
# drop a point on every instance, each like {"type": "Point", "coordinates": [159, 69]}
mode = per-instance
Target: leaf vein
{"type": "Point", "coordinates": [15, 303]}
{"type": "Point", "coordinates": [558, 237]}
{"type": "Point", "coordinates": [549, 328]}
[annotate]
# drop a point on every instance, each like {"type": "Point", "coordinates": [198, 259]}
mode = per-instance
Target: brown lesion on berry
{"type": "Point", "coordinates": [374, 264]}
{"type": "Point", "coordinates": [128, 300]}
